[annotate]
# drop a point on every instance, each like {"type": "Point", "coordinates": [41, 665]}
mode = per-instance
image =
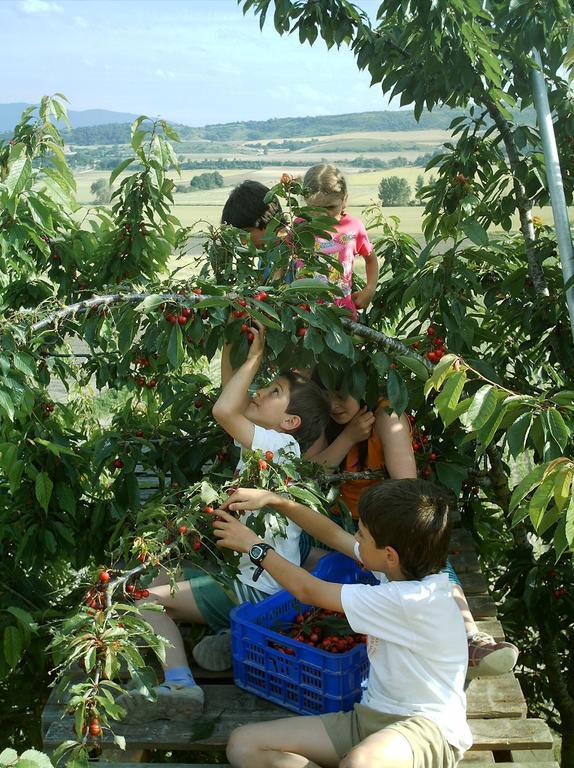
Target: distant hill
{"type": "Point", "coordinates": [10, 115]}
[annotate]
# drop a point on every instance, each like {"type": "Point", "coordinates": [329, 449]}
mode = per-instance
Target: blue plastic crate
{"type": "Point", "coordinates": [310, 681]}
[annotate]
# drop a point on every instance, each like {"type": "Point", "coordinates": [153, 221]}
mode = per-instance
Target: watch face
{"type": "Point", "coordinates": [256, 551]}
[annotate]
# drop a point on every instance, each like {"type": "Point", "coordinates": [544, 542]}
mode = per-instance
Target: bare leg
{"type": "Point", "coordinates": [180, 607]}
{"type": "Point", "coordinates": [385, 749]}
{"type": "Point", "coordinates": [295, 742]}
{"type": "Point", "coordinates": [315, 554]}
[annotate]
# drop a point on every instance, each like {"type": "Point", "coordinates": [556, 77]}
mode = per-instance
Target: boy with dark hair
{"type": "Point", "coordinates": [284, 417]}
{"type": "Point", "coordinates": [246, 209]}
{"type": "Point", "coordinates": [413, 711]}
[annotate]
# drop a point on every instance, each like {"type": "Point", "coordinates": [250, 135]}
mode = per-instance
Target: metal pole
{"type": "Point", "coordinates": [555, 185]}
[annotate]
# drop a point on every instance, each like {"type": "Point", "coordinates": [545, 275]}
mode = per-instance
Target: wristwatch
{"type": "Point", "coordinates": [257, 554]}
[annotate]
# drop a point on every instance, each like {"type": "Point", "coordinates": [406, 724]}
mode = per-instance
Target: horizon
{"type": "Point", "coordinates": [153, 57]}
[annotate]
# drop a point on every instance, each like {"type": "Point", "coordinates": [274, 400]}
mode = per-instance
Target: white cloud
{"type": "Point", "coordinates": [40, 6]}
{"type": "Point", "coordinates": [165, 74]}
{"type": "Point", "coordinates": [80, 21]}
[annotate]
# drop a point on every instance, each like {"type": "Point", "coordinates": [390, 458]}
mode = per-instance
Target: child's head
{"type": "Point", "coordinates": [328, 188]}
{"type": "Point", "coordinates": [291, 403]}
{"type": "Point", "coordinates": [343, 408]}
{"type": "Point", "coordinates": [246, 209]}
{"type": "Point", "coordinates": [405, 523]}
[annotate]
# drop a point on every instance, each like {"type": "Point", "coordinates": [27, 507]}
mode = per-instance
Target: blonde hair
{"type": "Point", "coordinates": [327, 185]}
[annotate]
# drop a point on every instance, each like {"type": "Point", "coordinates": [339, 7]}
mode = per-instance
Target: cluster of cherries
{"type": "Point", "coordinates": [422, 447]}
{"type": "Point", "coordinates": [435, 348]}
{"type": "Point", "coordinates": [47, 409]}
{"type": "Point", "coordinates": [185, 314]}
{"type": "Point", "coordinates": [311, 628]}
{"type": "Point", "coordinates": [93, 727]}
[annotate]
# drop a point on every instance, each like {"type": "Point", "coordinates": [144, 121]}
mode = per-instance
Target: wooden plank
{"type": "Point", "coordinates": [491, 627]}
{"type": "Point", "coordinates": [531, 756]}
{"type": "Point", "coordinates": [227, 711]}
{"type": "Point", "coordinates": [473, 583]}
{"type": "Point", "coordinates": [478, 759]}
{"type": "Point", "coordinates": [482, 606]}
{"type": "Point", "coordinates": [460, 540]}
{"type": "Point", "coordinates": [510, 734]}
{"type": "Point", "coordinates": [495, 697]}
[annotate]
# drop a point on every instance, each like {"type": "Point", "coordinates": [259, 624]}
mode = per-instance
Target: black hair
{"type": "Point", "coordinates": [246, 207]}
{"type": "Point", "coordinates": [310, 402]}
{"type": "Point", "coordinates": [413, 517]}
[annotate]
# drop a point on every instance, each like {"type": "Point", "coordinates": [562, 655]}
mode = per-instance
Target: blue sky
{"type": "Point", "coordinates": [191, 61]}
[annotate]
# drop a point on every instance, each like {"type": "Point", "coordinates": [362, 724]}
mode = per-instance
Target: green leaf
{"type": "Point", "coordinates": [150, 303]}
{"type": "Point", "coordinates": [562, 485]}
{"type": "Point", "coordinates": [440, 371]}
{"type": "Point", "coordinates": [12, 645]}
{"type": "Point", "coordinates": [24, 618]}
{"type": "Point", "coordinates": [558, 428]}
{"type": "Point", "coordinates": [313, 340]}
{"type": "Point", "coordinates": [415, 365]}
{"type": "Point", "coordinates": [475, 232]}
{"type": "Point", "coordinates": [19, 170]}
{"type": "Point", "coordinates": [175, 351]}
{"type": "Point", "coordinates": [449, 395]}
{"type": "Point", "coordinates": [540, 500]}
{"type": "Point", "coordinates": [340, 343]}
{"type": "Point", "coordinates": [6, 404]}
{"type": "Point", "coordinates": [43, 487]}
{"type": "Point", "coordinates": [397, 392]}
{"type": "Point", "coordinates": [569, 527]}
{"type": "Point", "coordinates": [482, 407]}
{"type": "Point", "coordinates": [524, 487]}
{"type": "Point", "coordinates": [560, 541]}
{"type": "Point", "coordinates": [119, 168]}
{"type": "Point", "coordinates": [517, 434]}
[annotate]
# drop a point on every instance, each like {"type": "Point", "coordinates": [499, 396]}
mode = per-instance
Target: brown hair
{"type": "Point", "coordinates": [308, 401]}
{"type": "Point", "coordinates": [327, 185]}
{"type": "Point", "coordinates": [412, 517]}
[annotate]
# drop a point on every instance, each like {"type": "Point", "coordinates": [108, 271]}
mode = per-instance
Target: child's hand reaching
{"type": "Point", "coordinates": [258, 344]}
{"type": "Point", "coordinates": [360, 426]}
{"type": "Point", "coordinates": [232, 534]}
{"type": "Point", "coordinates": [244, 499]}
{"type": "Point", "coordinates": [362, 299]}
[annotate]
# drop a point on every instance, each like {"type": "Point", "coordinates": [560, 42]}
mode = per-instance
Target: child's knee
{"type": "Point", "coordinates": [240, 747]}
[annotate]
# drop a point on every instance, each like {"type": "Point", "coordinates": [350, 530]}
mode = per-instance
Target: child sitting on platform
{"type": "Point", "coordinates": [413, 711]}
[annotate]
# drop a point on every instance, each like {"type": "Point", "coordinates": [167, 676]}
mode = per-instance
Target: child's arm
{"type": "Point", "coordinates": [229, 409]}
{"type": "Point", "coordinates": [226, 369]}
{"type": "Point", "coordinates": [395, 436]}
{"type": "Point", "coordinates": [363, 298]}
{"type": "Point", "coordinates": [357, 430]}
{"type": "Point", "coordinates": [317, 525]}
{"type": "Point", "coordinates": [306, 588]}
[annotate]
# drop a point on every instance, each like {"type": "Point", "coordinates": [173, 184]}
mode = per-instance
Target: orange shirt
{"type": "Point", "coordinates": [351, 491]}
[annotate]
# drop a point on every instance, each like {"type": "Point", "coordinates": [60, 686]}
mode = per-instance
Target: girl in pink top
{"type": "Point", "coordinates": [328, 190]}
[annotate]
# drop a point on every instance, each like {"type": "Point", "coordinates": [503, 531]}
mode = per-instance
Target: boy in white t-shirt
{"type": "Point", "coordinates": [413, 712]}
{"type": "Point", "coordinates": [285, 417]}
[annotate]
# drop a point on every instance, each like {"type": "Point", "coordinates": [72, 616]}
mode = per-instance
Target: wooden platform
{"type": "Point", "coordinates": [502, 733]}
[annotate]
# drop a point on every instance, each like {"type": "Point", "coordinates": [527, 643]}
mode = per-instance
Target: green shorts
{"type": "Point", "coordinates": [429, 746]}
{"type": "Point", "coordinates": [216, 602]}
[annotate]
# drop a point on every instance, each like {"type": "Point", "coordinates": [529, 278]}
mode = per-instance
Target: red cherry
{"type": "Point", "coordinates": [425, 439]}
{"type": "Point", "coordinates": [142, 557]}
{"type": "Point", "coordinates": [198, 403]}
{"type": "Point", "coordinates": [263, 295]}
{"type": "Point", "coordinates": [238, 313]}
{"type": "Point", "coordinates": [171, 319]}
{"type": "Point", "coordinates": [130, 588]}
{"type": "Point", "coordinates": [430, 331]}
{"type": "Point", "coordinates": [95, 729]}
{"type": "Point", "coordinates": [117, 463]}
{"type": "Point", "coordinates": [182, 319]}
{"type": "Point", "coordinates": [415, 344]}
{"type": "Point", "coordinates": [431, 356]}
{"type": "Point", "coordinates": [197, 543]}
{"type": "Point", "coordinates": [301, 331]}
{"type": "Point", "coordinates": [416, 445]}
{"type": "Point", "coordinates": [250, 337]}
{"type": "Point", "coordinates": [432, 457]}
{"type": "Point", "coordinates": [186, 312]}
{"type": "Point", "coordinates": [104, 577]}
{"type": "Point", "coordinates": [438, 354]}
{"type": "Point", "coordinates": [426, 472]}
{"type": "Point", "coordinates": [262, 464]}
{"type": "Point", "coordinates": [245, 328]}
{"type": "Point", "coordinates": [197, 291]}
{"type": "Point", "coordinates": [209, 509]}
{"type": "Point", "coordinates": [182, 530]}
{"type": "Point", "coordinates": [393, 365]}
{"type": "Point", "coordinates": [139, 433]}
{"type": "Point", "coordinates": [242, 302]}
{"type": "Point", "coordinates": [152, 383]}
{"type": "Point", "coordinates": [144, 593]}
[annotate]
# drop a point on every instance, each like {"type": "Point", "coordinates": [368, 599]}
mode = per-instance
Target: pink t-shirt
{"type": "Point", "coordinates": [349, 239]}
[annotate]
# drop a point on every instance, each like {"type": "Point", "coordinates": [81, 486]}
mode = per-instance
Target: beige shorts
{"type": "Point", "coordinates": [429, 746]}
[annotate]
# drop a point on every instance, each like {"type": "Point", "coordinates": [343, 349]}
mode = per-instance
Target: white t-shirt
{"type": "Point", "coordinates": [281, 444]}
{"type": "Point", "coordinates": [417, 649]}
